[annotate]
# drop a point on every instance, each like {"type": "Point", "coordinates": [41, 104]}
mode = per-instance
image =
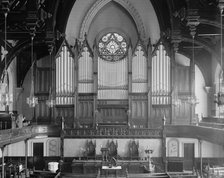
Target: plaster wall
{"type": "Point", "coordinates": [209, 150]}
{"type": "Point", "coordinates": [144, 9]}
{"type": "Point", "coordinates": [51, 147]}
{"type": "Point", "coordinates": [112, 17]}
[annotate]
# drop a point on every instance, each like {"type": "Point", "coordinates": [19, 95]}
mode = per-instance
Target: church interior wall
{"type": "Point", "coordinates": [76, 147]}
{"type": "Point", "coordinates": [209, 150]}
{"type": "Point", "coordinates": [112, 16]}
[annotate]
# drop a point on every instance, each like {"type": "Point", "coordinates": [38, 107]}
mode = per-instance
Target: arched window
{"type": "Point", "coordinates": [112, 47]}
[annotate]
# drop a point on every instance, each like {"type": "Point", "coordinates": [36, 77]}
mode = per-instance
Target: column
{"type": "Point", "coordinates": [175, 101]}
{"type": "Point", "coordinates": [95, 85]}
{"type": "Point", "coordinates": [192, 23]}
{"type": "Point", "coordinates": [200, 153]}
{"type": "Point", "coordinates": [3, 161]}
{"type": "Point", "coordinates": [26, 155]}
{"type": "Point", "coordinates": [129, 112]}
{"type": "Point", "coordinates": [164, 146]}
{"type": "Point", "coordinates": [149, 74]}
{"type": "Point", "coordinates": [61, 144]}
{"type": "Point", "coordinates": [76, 79]}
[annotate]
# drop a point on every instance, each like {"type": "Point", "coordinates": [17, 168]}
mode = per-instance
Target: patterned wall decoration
{"type": "Point", "coordinates": [173, 148]}
{"type": "Point", "coordinates": [42, 80]}
{"type": "Point", "coordinates": [53, 147]}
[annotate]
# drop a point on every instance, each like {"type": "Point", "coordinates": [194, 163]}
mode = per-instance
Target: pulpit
{"type": "Point", "coordinates": [104, 154]}
{"type": "Point", "coordinates": [112, 149]}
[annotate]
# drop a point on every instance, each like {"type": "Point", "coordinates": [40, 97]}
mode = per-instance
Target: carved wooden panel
{"type": "Point", "coordinates": [41, 110]}
{"type": "Point", "coordinates": [139, 109]}
{"type": "Point", "coordinates": [182, 113]}
{"type": "Point", "coordinates": [67, 112]}
{"type": "Point", "coordinates": [182, 78]}
{"type": "Point", "coordinates": [113, 115]}
{"type": "Point", "coordinates": [85, 109]}
{"type": "Point", "coordinates": [112, 132]}
{"type": "Point", "coordinates": [42, 80]}
{"type": "Point", "coordinates": [159, 114]}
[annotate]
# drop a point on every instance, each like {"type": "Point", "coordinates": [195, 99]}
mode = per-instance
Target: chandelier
{"type": "Point", "coordinates": [5, 98]}
{"type": "Point", "coordinates": [32, 100]}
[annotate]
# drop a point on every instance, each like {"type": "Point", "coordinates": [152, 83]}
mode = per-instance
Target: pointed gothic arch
{"type": "Point", "coordinates": [100, 4]}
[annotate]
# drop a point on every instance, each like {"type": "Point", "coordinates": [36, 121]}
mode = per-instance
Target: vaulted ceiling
{"type": "Point", "coordinates": [48, 19]}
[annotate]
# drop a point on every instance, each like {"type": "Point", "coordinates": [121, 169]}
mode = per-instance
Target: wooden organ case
{"type": "Point", "coordinates": [115, 84]}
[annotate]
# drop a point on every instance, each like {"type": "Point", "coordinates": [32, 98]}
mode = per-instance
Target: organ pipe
{"type": "Point", "coordinates": [64, 76]}
{"type": "Point", "coordinates": [160, 77]}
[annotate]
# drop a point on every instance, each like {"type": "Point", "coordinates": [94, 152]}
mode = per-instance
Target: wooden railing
{"type": "Point", "coordinates": [118, 132]}
{"type": "Point", "coordinates": [9, 136]}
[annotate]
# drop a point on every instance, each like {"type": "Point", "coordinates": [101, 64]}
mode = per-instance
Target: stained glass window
{"type": "Point", "coordinates": [112, 47]}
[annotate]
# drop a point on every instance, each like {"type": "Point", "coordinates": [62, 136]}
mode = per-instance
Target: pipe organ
{"type": "Point", "coordinates": [161, 77]}
{"type": "Point", "coordinates": [85, 72]}
{"type": "Point", "coordinates": [139, 89]}
{"type": "Point", "coordinates": [85, 100]}
{"type": "Point", "coordinates": [64, 76]}
{"type": "Point", "coordinates": [114, 83]}
{"type": "Point", "coordinates": [139, 71]}
{"type": "Point", "coordinates": [112, 79]}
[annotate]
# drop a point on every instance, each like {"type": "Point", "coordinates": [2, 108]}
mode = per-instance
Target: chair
{"type": "Point", "coordinates": [90, 152]}
{"type": "Point", "coordinates": [112, 149]}
{"type": "Point", "coordinates": [133, 150]}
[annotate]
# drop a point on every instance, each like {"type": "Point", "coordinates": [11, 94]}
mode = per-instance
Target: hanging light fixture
{"type": "Point", "coordinates": [32, 100]}
{"type": "Point", "coordinates": [192, 22]}
{"type": "Point", "coordinates": [5, 98]}
{"type": "Point", "coordinates": [192, 99]}
{"type": "Point", "coordinates": [51, 101]}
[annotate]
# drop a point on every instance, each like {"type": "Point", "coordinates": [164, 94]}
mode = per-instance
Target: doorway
{"type": "Point", "coordinates": [38, 156]}
{"type": "Point", "coordinates": [188, 156]}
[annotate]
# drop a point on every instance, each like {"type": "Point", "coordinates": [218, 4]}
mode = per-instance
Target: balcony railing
{"type": "Point", "coordinates": [113, 132]}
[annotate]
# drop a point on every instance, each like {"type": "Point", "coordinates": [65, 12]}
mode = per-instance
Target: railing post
{"type": "Point", "coordinates": [3, 161]}
{"type": "Point", "coordinates": [26, 154]}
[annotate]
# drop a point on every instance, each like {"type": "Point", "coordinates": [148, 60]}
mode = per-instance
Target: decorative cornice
{"type": "Point", "coordinates": [99, 4]}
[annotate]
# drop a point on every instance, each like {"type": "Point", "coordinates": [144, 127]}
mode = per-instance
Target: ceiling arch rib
{"type": "Point", "coordinates": [100, 4]}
